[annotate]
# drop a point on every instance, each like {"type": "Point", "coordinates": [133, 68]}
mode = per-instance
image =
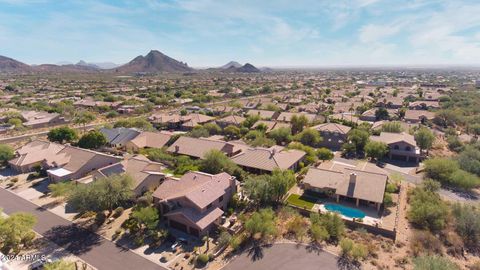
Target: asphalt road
{"type": "Point", "coordinates": [93, 249]}
{"type": "Point", "coordinates": [284, 257]}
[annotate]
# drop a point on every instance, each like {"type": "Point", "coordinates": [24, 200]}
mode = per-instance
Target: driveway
{"type": "Point", "coordinates": [90, 247]}
{"type": "Point", "coordinates": [284, 257]}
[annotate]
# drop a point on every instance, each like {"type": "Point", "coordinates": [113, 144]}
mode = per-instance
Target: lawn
{"type": "Point", "coordinates": [301, 201]}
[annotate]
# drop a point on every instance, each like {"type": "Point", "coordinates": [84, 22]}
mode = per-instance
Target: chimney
{"type": "Point", "coordinates": [273, 152]}
{"type": "Point", "coordinates": [228, 149]}
{"type": "Point", "coordinates": [353, 178]}
{"type": "Point", "coordinates": [177, 148]}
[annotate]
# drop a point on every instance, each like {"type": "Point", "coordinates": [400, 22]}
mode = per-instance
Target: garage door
{"type": "Point", "coordinates": [178, 226]}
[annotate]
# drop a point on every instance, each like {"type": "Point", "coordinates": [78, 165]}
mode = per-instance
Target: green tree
{"type": "Point", "coordinates": [427, 210]}
{"type": "Point", "coordinates": [6, 153]}
{"type": "Point", "coordinates": [469, 160]}
{"type": "Point", "coordinates": [147, 217]}
{"type": "Point", "coordinates": [61, 189]}
{"type": "Point", "coordinates": [392, 127]}
{"type": "Point", "coordinates": [215, 161]}
{"type": "Point", "coordinates": [266, 189]}
{"type": "Point", "coordinates": [309, 137]}
{"type": "Point", "coordinates": [62, 134]}
{"type": "Point", "coordinates": [231, 132]}
{"type": "Point", "coordinates": [16, 231]}
{"type": "Point", "coordinates": [467, 225]}
{"type": "Point", "coordinates": [250, 121]}
{"type": "Point", "coordinates": [376, 150]}
{"type": "Point", "coordinates": [199, 131]}
{"type": "Point", "coordinates": [324, 154]}
{"type": "Point", "coordinates": [92, 140]}
{"type": "Point", "coordinates": [433, 262]}
{"type": "Point", "coordinates": [212, 128]}
{"type": "Point", "coordinates": [358, 138]}
{"type": "Point", "coordinates": [298, 122]}
{"type": "Point", "coordinates": [102, 194]}
{"type": "Point", "coordinates": [281, 136]}
{"type": "Point", "coordinates": [261, 225]}
{"type": "Point", "coordinates": [140, 123]}
{"type": "Point", "coordinates": [424, 138]}
{"type": "Point", "coordinates": [381, 114]}
{"type": "Point", "coordinates": [16, 122]}
{"type": "Point", "coordinates": [440, 169]}
{"type": "Point", "coordinates": [83, 118]}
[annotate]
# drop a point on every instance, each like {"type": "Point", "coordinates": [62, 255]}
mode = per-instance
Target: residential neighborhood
{"type": "Point", "coordinates": [313, 152]}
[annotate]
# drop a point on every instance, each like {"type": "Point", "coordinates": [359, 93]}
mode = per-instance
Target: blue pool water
{"type": "Point", "coordinates": [344, 210]}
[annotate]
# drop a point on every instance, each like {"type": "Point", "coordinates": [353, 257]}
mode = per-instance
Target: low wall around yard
{"type": "Point", "coordinates": [391, 234]}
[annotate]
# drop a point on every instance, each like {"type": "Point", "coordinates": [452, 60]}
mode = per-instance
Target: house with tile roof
{"type": "Point", "coordinates": [181, 122]}
{"type": "Point", "coordinates": [195, 203]}
{"type": "Point", "coordinates": [363, 187]}
{"type": "Point", "coordinates": [233, 120]}
{"type": "Point", "coordinates": [62, 162]}
{"type": "Point", "coordinates": [401, 146]}
{"type": "Point", "coordinates": [147, 139]}
{"type": "Point", "coordinates": [262, 160]}
{"type": "Point", "coordinates": [198, 147]}
{"type": "Point", "coordinates": [334, 135]}
{"type": "Point", "coordinates": [118, 137]}
{"type": "Point", "coordinates": [146, 175]}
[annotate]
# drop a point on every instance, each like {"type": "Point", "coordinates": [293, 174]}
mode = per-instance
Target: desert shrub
{"type": "Point", "coordinates": [433, 263]}
{"type": "Point", "coordinates": [423, 242]}
{"type": "Point", "coordinates": [202, 260]}
{"type": "Point", "coordinates": [118, 212]}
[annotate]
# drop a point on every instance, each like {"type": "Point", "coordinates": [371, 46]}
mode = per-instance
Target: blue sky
{"type": "Point", "coordinates": [262, 32]}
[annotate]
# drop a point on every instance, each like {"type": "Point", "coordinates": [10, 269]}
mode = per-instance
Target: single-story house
{"type": "Point", "coordinates": [361, 186]}
{"type": "Point", "coordinates": [260, 159]}
{"type": "Point", "coordinates": [418, 116]}
{"type": "Point", "coordinates": [146, 175]}
{"type": "Point", "coordinates": [147, 139]}
{"type": "Point", "coordinates": [233, 120]}
{"type": "Point", "coordinates": [198, 147]}
{"type": "Point", "coordinates": [287, 116]}
{"type": "Point", "coordinates": [263, 114]}
{"type": "Point", "coordinates": [271, 125]}
{"type": "Point", "coordinates": [195, 202]}
{"type": "Point", "coordinates": [118, 137]}
{"type": "Point", "coordinates": [62, 162]}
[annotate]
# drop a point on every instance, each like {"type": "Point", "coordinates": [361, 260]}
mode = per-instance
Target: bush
{"type": "Point", "coordinates": [467, 224]}
{"type": "Point", "coordinates": [423, 242]}
{"type": "Point", "coordinates": [319, 233]}
{"type": "Point", "coordinates": [202, 260]}
{"type": "Point", "coordinates": [427, 210]}
{"type": "Point", "coordinates": [392, 188]}
{"type": "Point", "coordinates": [388, 200]}
{"type": "Point", "coordinates": [433, 263]}
{"type": "Point", "coordinates": [118, 212]}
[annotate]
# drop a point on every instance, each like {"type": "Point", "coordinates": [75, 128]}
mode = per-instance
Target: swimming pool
{"type": "Point", "coordinates": [345, 210]}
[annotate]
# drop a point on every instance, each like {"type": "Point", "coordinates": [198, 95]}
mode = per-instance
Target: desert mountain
{"type": "Point", "coordinates": [231, 64]}
{"type": "Point", "coordinates": [153, 62]}
{"type": "Point", "coordinates": [12, 65]}
{"type": "Point", "coordinates": [247, 68]}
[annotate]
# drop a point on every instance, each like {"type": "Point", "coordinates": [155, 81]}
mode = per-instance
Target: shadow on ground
{"type": "Point", "coordinates": [73, 238]}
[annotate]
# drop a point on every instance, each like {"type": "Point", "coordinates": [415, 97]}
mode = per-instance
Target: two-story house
{"type": "Point", "coordinates": [401, 146]}
{"type": "Point", "coordinates": [195, 202]}
{"type": "Point", "coordinates": [334, 135]}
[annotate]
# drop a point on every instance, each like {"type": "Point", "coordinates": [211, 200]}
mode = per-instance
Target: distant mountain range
{"type": "Point", "coordinates": [153, 62]}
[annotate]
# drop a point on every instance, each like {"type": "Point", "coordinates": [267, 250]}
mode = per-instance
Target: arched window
{"type": "Point", "coordinates": [396, 147]}
{"type": "Point", "coordinates": [408, 148]}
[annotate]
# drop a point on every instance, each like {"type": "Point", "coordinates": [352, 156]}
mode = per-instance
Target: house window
{"type": "Point", "coordinates": [396, 147]}
{"type": "Point", "coordinates": [408, 148]}
{"type": "Point", "coordinates": [220, 199]}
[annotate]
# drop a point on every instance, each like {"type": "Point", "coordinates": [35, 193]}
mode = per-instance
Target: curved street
{"type": "Point", "coordinates": [284, 257]}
